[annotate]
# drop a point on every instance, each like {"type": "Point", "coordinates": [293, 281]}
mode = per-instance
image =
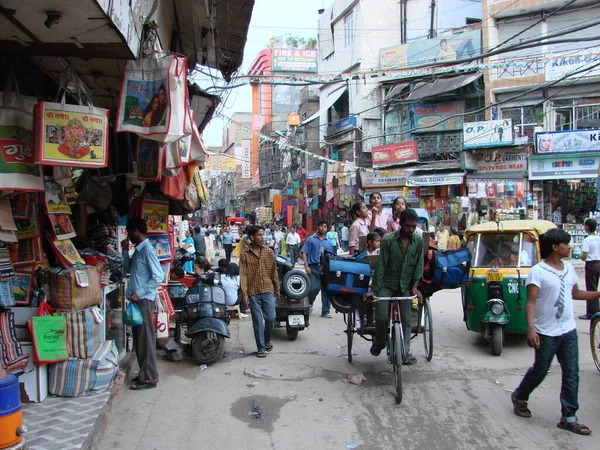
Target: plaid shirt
{"type": "Point", "coordinates": [396, 269]}
{"type": "Point", "coordinates": [258, 272]}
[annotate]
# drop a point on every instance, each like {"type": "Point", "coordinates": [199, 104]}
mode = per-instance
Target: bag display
{"type": "Point", "coordinates": [346, 276]}
{"type": "Point", "coordinates": [451, 267]}
{"type": "Point", "coordinates": [153, 101]}
{"type": "Point", "coordinates": [132, 315]}
{"type": "Point", "coordinates": [74, 289]}
{"type": "Point", "coordinates": [49, 335]}
{"type": "Point", "coordinates": [12, 358]}
{"type": "Point", "coordinates": [84, 331]}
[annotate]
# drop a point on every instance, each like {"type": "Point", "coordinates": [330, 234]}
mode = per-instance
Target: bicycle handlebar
{"type": "Point", "coordinates": [393, 299]}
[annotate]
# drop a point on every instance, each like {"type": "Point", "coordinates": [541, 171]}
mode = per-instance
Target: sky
{"type": "Point", "coordinates": [269, 18]}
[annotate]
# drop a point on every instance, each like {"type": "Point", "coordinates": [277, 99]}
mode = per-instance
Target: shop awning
{"type": "Point", "coordinates": [395, 91]}
{"type": "Point", "coordinates": [443, 179]}
{"type": "Point", "coordinates": [437, 87]}
{"type": "Point", "coordinates": [326, 101]}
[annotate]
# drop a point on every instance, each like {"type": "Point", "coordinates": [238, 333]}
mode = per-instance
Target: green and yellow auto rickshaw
{"type": "Point", "coordinates": [494, 300]}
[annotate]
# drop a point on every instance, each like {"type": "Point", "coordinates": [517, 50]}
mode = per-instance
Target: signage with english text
{"type": "Point", "coordinates": [490, 133]}
{"type": "Point", "coordinates": [563, 167]}
{"type": "Point", "coordinates": [392, 154]}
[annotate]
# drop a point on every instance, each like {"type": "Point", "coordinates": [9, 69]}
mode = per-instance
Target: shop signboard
{"type": "Point", "coordinates": [387, 178]}
{"type": "Point", "coordinates": [221, 162]}
{"type": "Point", "coordinates": [491, 133]}
{"type": "Point", "coordinates": [342, 125]}
{"type": "Point", "coordinates": [246, 159]}
{"type": "Point", "coordinates": [425, 118]}
{"type": "Point", "coordinates": [575, 141]}
{"type": "Point", "coordinates": [435, 180]}
{"type": "Point", "coordinates": [393, 154]}
{"type": "Point", "coordinates": [563, 167]}
{"type": "Point", "coordinates": [294, 60]}
{"type": "Point", "coordinates": [442, 48]}
{"type": "Point", "coordinates": [312, 174]}
{"type": "Point", "coordinates": [557, 66]}
{"type": "Point", "coordinates": [498, 161]}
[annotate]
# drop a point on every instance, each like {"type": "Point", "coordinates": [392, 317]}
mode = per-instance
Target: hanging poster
{"type": "Point", "coordinates": [28, 227]}
{"type": "Point", "coordinates": [72, 135]}
{"type": "Point", "coordinates": [19, 204]}
{"type": "Point", "coordinates": [22, 284]}
{"type": "Point", "coordinates": [162, 246]}
{"type": "Point", "coordinates": [155, 214]}
{"type": "Point", "coordinates": [55, 200]}
{"type": "Point", "coordinates": [149, 160]}
{"type": "Point", "coordinates": [66, 252]}
{"type": "Point", "coordinates": [24, 252]}
{"type": "Point", "coordinates": [62, 228]}
{"type": "Point", "coordinates": [17, 169]}
{"type": "Point", "coordinates": [166, 267]}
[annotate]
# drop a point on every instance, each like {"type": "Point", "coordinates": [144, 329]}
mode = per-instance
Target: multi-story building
{"type": "Point", "coordinates": [550, 92]}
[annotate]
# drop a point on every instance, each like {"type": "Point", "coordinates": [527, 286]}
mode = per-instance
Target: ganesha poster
{"type": "Point", "coordinates": [71, 135]}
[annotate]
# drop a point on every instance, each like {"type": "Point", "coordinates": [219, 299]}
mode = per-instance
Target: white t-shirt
{"type": "Point", "coordinates": [345, 232]}
{"type": "Point", "coordinates": [292, 239]}
{"type": "Point", "coordinates": [231, 287]}
{"type": "Point", "coordinates": [553, 284]}
{"type": "Point", "coordinates": [591, 246]}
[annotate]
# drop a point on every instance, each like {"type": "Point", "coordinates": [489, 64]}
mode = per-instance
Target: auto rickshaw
{"type": "Point", "coordinates": [494, 300]}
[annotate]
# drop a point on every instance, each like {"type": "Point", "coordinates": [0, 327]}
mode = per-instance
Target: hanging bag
{"type": "Point", "coordinates": [49, 334]}
{"type": "Point", "coordinates": [153, 101]}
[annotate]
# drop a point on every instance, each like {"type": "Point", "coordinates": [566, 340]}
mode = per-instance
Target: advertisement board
{"type": "Point", "coordinates": [442, 48]}
{"type": "Point", "coordinates": [558, 66]}
{"type": "Point", "coordinates": [501, 161]}
{"type": "Point", "coordinates": [575, 141]}
{"type": "Point", "coordinates": [563, 167]}
{"type": "Point", "coordinates": [435, 180]}
{"type": "Point", "coordinates": [294, 60]}
{"type": "Point", "coordinates": [425, 118]}
{"type": "Point", "coordinates": [491, 133]}
{"type": "Point", "coordinates": [392, 154]}
{"type": "Point", "coordinates": [388, 178]}
{"type": "Point", "coordinates": [222, 162]}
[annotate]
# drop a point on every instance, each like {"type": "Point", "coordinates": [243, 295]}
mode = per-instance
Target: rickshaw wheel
{"type": "Point", "coordinates": [350, 333]}
{"type": "Point", "coordinates": [397, 361]}
{"type": "Point", "coordinates": [595, 341]}
{"type": "Point", "coordinates": [427, 328]}
{"type": "Point", "coordinates": [497, 340]}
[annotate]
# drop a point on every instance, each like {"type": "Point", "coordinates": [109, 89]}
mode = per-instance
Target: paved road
{"type": "Point", "coordinates": [295, 398]}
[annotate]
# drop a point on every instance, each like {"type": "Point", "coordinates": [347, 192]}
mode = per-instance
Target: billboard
{"type": "Point", "coordinates": [387, 178]}
{"type": "Point", "coordinates": [425, 118]}
{"type": "Point", "coordinates": [559, 65]}
{"type": "Point", "coordinates": [392, 154]}
{"type": "Point", "coordinates": [574, 141]}
{"type": "Point", "coordinates": [490, 133]}
{"type": "Point", "coordinates": [220, 161]}
{"type": "Point", "coordinates": [436, 50]}
{"type": "Point", "coordinates": [563, 168]}
{"type": "Point", "coordinates": [294, 60]}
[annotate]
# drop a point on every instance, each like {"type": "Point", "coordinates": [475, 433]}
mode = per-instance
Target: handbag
{"type": "Point", "coordinates": [49, 335]}
{"type": "Point", "coordinates": [153, 101]}
{"type": "Point", "coordinates": [95, 193]}
{"type": "Point", "coordinates": [132, 315]}
{"type": "Point", "coordinates": [74, 289]}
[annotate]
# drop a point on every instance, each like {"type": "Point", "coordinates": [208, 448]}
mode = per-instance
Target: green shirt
{"type": "Point", "coordinates": [397, 269]}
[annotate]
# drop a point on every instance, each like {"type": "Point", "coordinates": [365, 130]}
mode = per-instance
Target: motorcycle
{"type": "Point", "coordinates": [181, 257]}
{"type": "Point", "coordinates": [205, 312]}
{"type": "Point", "coordinates": [293, 306]}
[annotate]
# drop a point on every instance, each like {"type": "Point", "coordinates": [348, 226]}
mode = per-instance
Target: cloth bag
{"type": "Point", "coordinates": [49, 335]}
{"type": "Point", "coordinates": [153, 101]}
{"type": "Point", "coordinates": [84, 331]}
{"type": "Point", "coordinates": [74, 289]}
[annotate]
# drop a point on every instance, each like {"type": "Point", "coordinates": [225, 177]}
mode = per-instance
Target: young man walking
{"type": "Point", "coordinates": [292, 240]}
{"type": "Point", "coordinates": [551, 330]}
{"type": "Point", "coordinates": [311, 254]}
{"type": "Point", "coordinates": [345, 234]}
{"type": "Point", "coordinates": [227, 239]}
{"type": "Point", "coordinates": [590, 253]}
{"type": "Point", "coordinates": [259, 284]}
{"type": "Point", "coordinates": [146, 276]}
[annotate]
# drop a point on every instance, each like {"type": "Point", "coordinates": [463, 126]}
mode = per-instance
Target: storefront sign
{"type": "Point", "coordinates": [222, 162]}
{"type": "Point", "coordinates": [312, 174]}
{"type": "Point", "coordinates": [442, 48]}
{"type": "Point", "coordinates": [388, 178]}
{"type": "Point", "coordinates": [342, 125]}
{"type": "Point", "coordinates": [294, 60]}
{"type": "Point", "coordinates": [246, 159]}
{"type": "Point", "coordinates": [425, 118]}
{"type": "Point", "coordinates": [563, 168]}
{"type": "Point", "coordinates": [435, 180]}
{"type": "Point", "coordinates": [491, 133]}
{"type": "Point", "coordinates": [575, 141]}
{"type": "Point", "coordinates": [391, 154]}
{"type": "Point", "coordinates": [501, 161]}
{"type": "Point", "coordinates": [386, 197]}
{"type": "Point", "coordinates": [559, 65]}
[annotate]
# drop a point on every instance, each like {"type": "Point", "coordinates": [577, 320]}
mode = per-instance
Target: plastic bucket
{"type": "Point", "coordinates": [11, 415]}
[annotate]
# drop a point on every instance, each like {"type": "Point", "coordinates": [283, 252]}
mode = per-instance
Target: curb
{"type": "Point", "coordinates": [126, 367]}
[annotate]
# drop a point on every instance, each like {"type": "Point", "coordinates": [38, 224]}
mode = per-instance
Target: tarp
{"type": "Point", "coordinates": [437, 87]}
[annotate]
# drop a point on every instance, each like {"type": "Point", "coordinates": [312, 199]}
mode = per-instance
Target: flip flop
{"type": "Point", "coordinates": [269, 347]}
{"type": "Point", "coordinates": [142, 386]}
{"type": "Point", "coordinates": [575, 427]}
{"type": "Point", "coordinates": [261, 354]}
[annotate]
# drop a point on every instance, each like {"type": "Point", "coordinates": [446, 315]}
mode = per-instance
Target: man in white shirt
{"type": "Point", "coordinates": [442, 237]}
{"type": "Point", "coordinates": [590, 253]}
{"type": "Point", "coordinates": [292, 240]}
{"type": "Point", "coordinates": [278, 238]}
{"type": "Point", "coordinates": [345, 232]}
{"type": "Point", "coordinates": [551, 328]}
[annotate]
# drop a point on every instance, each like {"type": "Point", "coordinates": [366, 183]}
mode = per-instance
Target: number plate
{"type": "Point", "coordinates": [494, 276]}
{"type": "Point", "coordinates": [296, 320]}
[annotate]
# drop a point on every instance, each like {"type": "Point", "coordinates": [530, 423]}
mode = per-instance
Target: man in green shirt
{"type": "Point", "coordinates": [399, 269]}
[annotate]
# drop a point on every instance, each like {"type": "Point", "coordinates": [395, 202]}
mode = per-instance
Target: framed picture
{"type": "Point", "coordinates": [166, 267]}
{"type": "Point", "coordinates": [24, 252]}
{"type": "Point", "coordinates": [150, 159]}
{"type": "Point", "coordinates": [55, 200]}
{"type": "Point", "coordinates": [65, 252]}
{"type": "Point", "coordinates": [28, 227]}
{"type": "Point", "coordinates": [62, 228]}
{"type": "Point", "coordinates": [22, 285]}
{"type": "Point", "coordinates": [162, 246]}
{"type": "Point", "coordinates": [156, 216]}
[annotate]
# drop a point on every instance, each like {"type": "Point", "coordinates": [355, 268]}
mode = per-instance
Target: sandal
{"type": "Point", "coordinates": [269, 347]}
{"type": "Point", "coordinates": [520, 408]}
{"type": "Point", "coordinates": [261, 354]}
{"type": "Point", "coordinates": [575, 427]}
{"type": "Point", "coordinates": [142, 386]}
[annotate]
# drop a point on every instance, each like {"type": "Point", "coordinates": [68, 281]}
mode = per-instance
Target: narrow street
{"type": "Point", "coordinates": [296, 397]}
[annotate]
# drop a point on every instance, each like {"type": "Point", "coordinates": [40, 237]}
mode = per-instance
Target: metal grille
{"type": "Point", "coordinates": [524, 69]}
{"type": "Point", "coordinates": [432, 144]}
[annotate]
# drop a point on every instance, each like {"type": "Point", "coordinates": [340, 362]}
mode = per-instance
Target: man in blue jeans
{"type": "Point", "coordinates": [311, 255]}
{"type": "Point", "coordinates": [551, 330]}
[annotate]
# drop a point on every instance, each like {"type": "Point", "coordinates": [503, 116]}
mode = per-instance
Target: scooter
{"type": "Point", "coordinates": [205, 312]}
{"type": "Point", "coordinates": [293, 306]}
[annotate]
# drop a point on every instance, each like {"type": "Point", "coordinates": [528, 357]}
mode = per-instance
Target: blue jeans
{"type": "Point", "coordinates": [293, 253]}
{"type": "Point", "coordinates": [566, 351]}
{"type": "Point", "coordinates": [315, 282]}
{"type": "Point", "coordinates": [262, 307]}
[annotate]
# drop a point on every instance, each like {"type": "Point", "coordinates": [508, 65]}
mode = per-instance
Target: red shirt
{"type": "Point", "coordinates": [303, 233]}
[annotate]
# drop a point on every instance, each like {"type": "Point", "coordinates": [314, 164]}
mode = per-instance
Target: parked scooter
{"type": "Point", "coordinates": [293, 306]}
{"type": "Point", "coordinates": [205, 312]}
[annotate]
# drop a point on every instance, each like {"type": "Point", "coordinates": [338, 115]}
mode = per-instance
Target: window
{"type": "Point", "coordinates": [524, 119]}
{"type": "Point", "coordinates": [349, 29]}
{"type": "Point", "coordinates": [568, 116]}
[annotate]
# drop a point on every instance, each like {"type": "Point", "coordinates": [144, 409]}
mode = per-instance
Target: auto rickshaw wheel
{"type": "Point", "coordinates": [497, 333]}
{"type": "Point", "coordinates": [595, 340]}
{"type": "Point", "coordinates": [292, 333]}
{"type": "Point", "coordinates": [350, 333]}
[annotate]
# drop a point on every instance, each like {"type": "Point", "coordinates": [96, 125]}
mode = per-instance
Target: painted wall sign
{"type": "Point", "coordinates": [342, 125]}
{"type": "Point", "coordinates": [491, 133]}
{"type": "Point", "coordinates": [501, 161]}
{"type": "Point", "coordinates": [574, 141]}
{"type": "Point", "coordinates": [428, 117]}
{"type": "Point", "coordinates": [435, 180]}
{"type": "Point", "coordinates": [563, 167]}
{"type": "Point", "coordinates": [391, 154]}
{"type": "Point", "coordinates": [559, 65]}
